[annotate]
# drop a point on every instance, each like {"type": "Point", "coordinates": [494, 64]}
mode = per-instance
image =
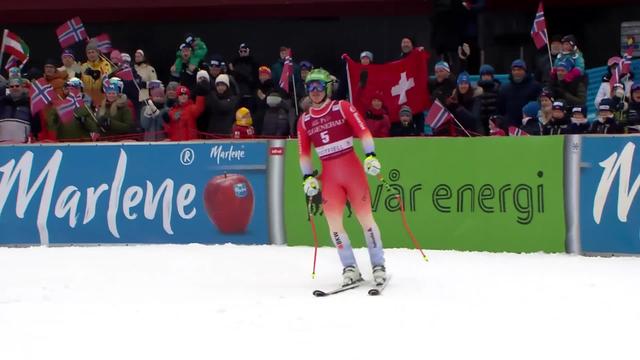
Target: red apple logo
{"type": "Point", "coordinates": [228, 199]}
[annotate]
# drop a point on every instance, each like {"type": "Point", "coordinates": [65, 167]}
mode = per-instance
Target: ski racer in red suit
{"type": "Point", "coordinates": [330, 126]}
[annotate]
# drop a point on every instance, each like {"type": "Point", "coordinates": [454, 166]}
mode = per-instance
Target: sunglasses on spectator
{"type": "Point", "coordinates": [315, 86]}
{"type": "Point", "coordinates": [14, 86]}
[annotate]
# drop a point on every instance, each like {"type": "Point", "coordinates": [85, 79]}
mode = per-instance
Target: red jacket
{"type": "Point", "coordinates": [243, 132]}
{"type": "Point", "coordinates": [378, 122]}
{"type": "Point", "coordinates": [182, 120]}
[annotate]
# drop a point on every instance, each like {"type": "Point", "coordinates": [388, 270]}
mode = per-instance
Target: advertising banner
{"type": "Point", "coordinates": [609, 182]}
{"type": "Point", "coordinates": [484, 194]}
{"type": "Point", "coordinates": [174, 193]}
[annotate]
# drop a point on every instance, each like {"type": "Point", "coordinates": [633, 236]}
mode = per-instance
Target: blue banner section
{"type": "Point", "coordinates": [176, 193]}
{"type": "Point", "coordinates": [609, 208]}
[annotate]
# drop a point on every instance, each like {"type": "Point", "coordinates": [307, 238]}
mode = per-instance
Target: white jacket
{"type": "Point", "coordinates": [604, 91]}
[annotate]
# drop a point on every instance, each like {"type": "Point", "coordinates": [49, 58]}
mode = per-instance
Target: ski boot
{"type": "Point", "coordinates": [350, 275]}
{"type": "Point", "coordinates": [379, 274]}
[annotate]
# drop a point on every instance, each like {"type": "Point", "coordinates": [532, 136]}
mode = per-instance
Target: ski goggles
{"type": "Point", "coordinates": [316, 86]}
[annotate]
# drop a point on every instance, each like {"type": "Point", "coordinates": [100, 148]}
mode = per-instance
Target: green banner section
{"type": "Point", "coordinates": [482, 194]}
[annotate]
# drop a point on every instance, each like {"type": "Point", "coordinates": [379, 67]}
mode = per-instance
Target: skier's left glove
{"type": "Point", "coordinates": [372, 165]}
{"type": "Point", "coordinates": [310, 185]}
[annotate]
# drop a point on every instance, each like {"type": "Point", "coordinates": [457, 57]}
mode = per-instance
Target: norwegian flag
{"type": "Point", "coordinates": [12, 62]}
{"type": "Point", "coordinates": [41, 94]}
{"type": "Point", "coordinates": [125, 73]}
{"type": "Point", "coordinates": [539, 28]}
{"type": "Point", "coordinates": [71, 32]}
{"type": "Point", "coordinates": [625, 64]}
{"type": "Point", "coordinates": [103, 43]}
{"type": "Point", "coordinates": [287, 69]}
{"type": "Point", "coordinates": [615, 77]}
{"type": "Point", "coordinates": [65, 108]}
{"type": "Point", "coordinates": [438, 115]}
{"type": "Point", "coordinates": [514, 131]}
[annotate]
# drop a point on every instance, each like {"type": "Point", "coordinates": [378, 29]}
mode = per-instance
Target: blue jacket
{"type": "Point", "coordinates": [513, 96]}
{"type": "Point", "coordinates": [16, 118]}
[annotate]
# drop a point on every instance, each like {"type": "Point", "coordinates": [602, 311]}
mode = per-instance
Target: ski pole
{"type": "Point", "coordinates": [315, 238]}
{"type": "Point", "coordinates": [404, 217]}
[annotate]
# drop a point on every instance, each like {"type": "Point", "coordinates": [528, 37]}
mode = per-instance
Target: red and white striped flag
{"type": "Point", "coordinates": [438, 115]}
{"type": "Point", "coordinates": [41, 94]}
{"type": "Point", "coordinates": [539, 28]}
{"type": "Point", "coordinates": [103, 43]}
{"type": "Point", "coordinates": [514, 131]}
{"type": "Point", "coordinates": [71, 32]}
{"type": "Point", "coordinates": [13, 45]}
{"type": "Point", "coordinates": [287, 70]}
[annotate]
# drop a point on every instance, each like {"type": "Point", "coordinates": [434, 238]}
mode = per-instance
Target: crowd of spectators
{"type": "Point", "coordinates": [208, 96]}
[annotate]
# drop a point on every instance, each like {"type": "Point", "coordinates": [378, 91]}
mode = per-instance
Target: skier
{"type": "Point", "coordinates": [330, 126]}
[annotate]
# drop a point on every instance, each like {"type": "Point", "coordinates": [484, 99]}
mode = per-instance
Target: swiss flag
{"type": "Point", "coordinates": [401, 82]}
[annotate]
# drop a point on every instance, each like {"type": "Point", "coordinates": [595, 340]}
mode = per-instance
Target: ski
{"type": "Point", "coordinates": [321, 293]}
{"type": "Point", "coordinates": [377, 289]}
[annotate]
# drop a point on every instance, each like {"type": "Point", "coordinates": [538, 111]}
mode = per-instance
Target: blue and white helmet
{"type": "Point", "coordinates": [113, 85]}
{"type": "Point", "coordinates": [74, 82]}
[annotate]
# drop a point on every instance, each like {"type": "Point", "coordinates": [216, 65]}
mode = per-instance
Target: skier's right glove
{"type": "Point", "coordinates": [310, 185]}
{"type": "Point", "coordinates": [372, 165]}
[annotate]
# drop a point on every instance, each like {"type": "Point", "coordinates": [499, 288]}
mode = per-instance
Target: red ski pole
{"type": "Point", "coordinates": [404, 218]}
{"type": "Point", "coordinates": [315, 237]}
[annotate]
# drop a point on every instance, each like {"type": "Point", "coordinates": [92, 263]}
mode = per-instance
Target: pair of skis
{"type": "Point", "coordinates": [373, 291]}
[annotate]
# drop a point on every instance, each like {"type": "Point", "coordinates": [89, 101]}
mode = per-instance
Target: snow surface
{"type": "Point", "coordinates": [254, 302]}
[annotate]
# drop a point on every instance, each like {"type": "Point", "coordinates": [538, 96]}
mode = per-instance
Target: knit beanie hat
{"type": "Point", "coordinates": [92, 45]}
{"type": "Point", "coordinates": [202, 75]}
{"type": "Point", "coordinates": [368, 54]}
{"type": "Point", "coordinates": [546, 92]}
{"type": "Point", "coordinates": [126, 57]}
{"type": "Point", "coordinates": [155, 88]}
{"type": "Point", "coordinates": [463, 77]}
{"type": "Point", "coordinates": [579, 109]}
{"type": "Point", "coordinates": [243, 117]}
{"type": "Point", "coordinates": [566, 63]}
{"type": "Point", "coordinates": [183, 90]}
{"type": "Point", "coordinates": [68, 52]}
{"type": "Point", "coordinates": [487, 69]}
{"type": "Point", "coordinates": [264, 70]}
{"type": "Point", "coordinates": [558, 105]}
{"type": "Point", "coordinates": [442, 65]}
{"type": "Point", "coordinates": [172, 86]}
{"type": "Point", "coordinates": [531, 109]}
{"type": "Point", "coordinates": [223, 78]}
{"type": "Point", "coordinates": [405, 110]}
{"type": "Point", "coordinates": [519, 63]}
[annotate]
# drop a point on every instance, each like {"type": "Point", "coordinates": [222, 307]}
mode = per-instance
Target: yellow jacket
{"type": "Point", "coordinates": [92, 87]}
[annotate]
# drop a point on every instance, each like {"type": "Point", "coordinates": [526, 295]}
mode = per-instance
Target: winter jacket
{"type": "Point", "coordinates": [576, 56]}
{"type": "Point", "coordinates": [222, 110]}
{"type": "Point", "coordinates": [532, 127]}
{"type": "Point", "coordinates": [276, 73]}
{"type": "Point", "coordinates": [488, 101]}
{"type": "Point", "coordinates": [57, 81]}
{"type": "Point", "coordinates": [15, 118]}
{"type": "Point", "coordinates": [604, 91]}
{"type": "Point", "coordinates": [242, 132]}
{"type": "Point", "coordinates": [575, 128]}
{"type": "Point", "coordinates": [378, 122]}
{"type": "Point", "coordinates": [512, 97]}
{"type": "Point", "coordinates": [632, 116]}
{"type": "Point", "coordinates": [245, 71]}
{"type": "Point", "coordinates": [279, 120]}
{"type": "Point", "coordinates": [92, 73]}
{"type": "Point", "coordinates": [182, 120]}
{"type": "Point", "coordinates": [153, 122]}
{"type": "Point", "coordinates": [73, 71]}
{"type": "Point", "coordinates": [78, 128]}
{"type": "Point", "coordinates": [198, 53]}
{"type": "Point", "coordinates": [556, 127]}
{"type": "Point", "coordinates": [115, 118]}
{"type": "Point", "coordinates": [467, 112]}
{"type": "Point", "coordinates": [397, 129]}
{"type": "Point", "coordinates": [146, 73]}
{"type": "Point", "coordinates": [572, 91]}
{"type": "Point", "coordinates": [609, 126]}
{"type": "Point", "coordinates": [441, 90]}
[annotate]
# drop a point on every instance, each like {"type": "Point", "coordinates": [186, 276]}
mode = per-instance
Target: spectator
{"type": "Point", "coordinates": [489, 97]}
{"type": "Point", "coordinates": [605, 90]}
{"type": "Point", "coordinates": [559, 123]}
{"type": "Point", "coordinates": [279, 118]}
{"type": "Point", "coordinates": [171, 94]}
{"type": "Point", "coordinates": [70, 65]}
{"type": "Point", "coordinates": [442, 86]}
{"type": "Point", "coordinates": [131, 87]}
{"type": "Point", "coordinates": [55, 78]}
{"type": "Point", "coordinates": [92, 72]}
{"type": "Point", "coordinates": [242, 129]}
{"type": "Point", "coordinates": [189, 55]}
{"type": "Point", "coordinates": [570, 51]}
{"type": "Point", "coordinates": [546, 106]}
{"type": "Point", "coordinates": [264, 88]}
{"type": "Point", "coordinates": [366, 57]}
{"type": "Point", "coordinates": [377, 117]}
{"type": "Point", "coordinates": [632, 114]}
{"type": "Point", "coordinates": [245, 71]}
{"type": "Point", "coordinates": [464, 104]}
{"type": "Point", "coordinates": [276, 68]}
{"type": "Point", "coordinates": [543, 66]}
{"type": "Point", "coordinates": [305, 69]}
{"type": "Point", "coordinates": [498, 126]}
{"type": "Point", "coordinates": [114, 115]}
{"type": "Point", "coordinates": [404, 127]}
{"type": "Point", "coordinates": [579, 123]}
{"type": "Point", "coordinates": [181, 124]}
{"type": "Point", "coordinates": [530, 123]}
{"type": "Point", "coordinates": [215, 66]}
{"type": "Point", "coordinates": [568, 84]}
{"type": "Point", "coordinates": [605, 122]}
{"type": "Point", "coordinates": [406, 46]}
{"type": "Point", "coordinates": [16, 122]}
{"type": "Point", "coordinates": [223, 107]}
{"type": "Point", "coordinates": [515, 94]}
{"type": "Point", "coordinates": [79, 127]}
{"type": "Point", "coordinates": [154, 112]}
{"type": "Point", "coordinates": [146, 72]}
{"type": "Point", "coordinates": [305, 104]}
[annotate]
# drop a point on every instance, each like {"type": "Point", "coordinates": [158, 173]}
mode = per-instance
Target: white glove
{"type": "Point", "coordinates": [310, 185]}
{"type": "Point", "coordinates": [372, 165]}
{"type": "Point", "coordinates": [151, 109]}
